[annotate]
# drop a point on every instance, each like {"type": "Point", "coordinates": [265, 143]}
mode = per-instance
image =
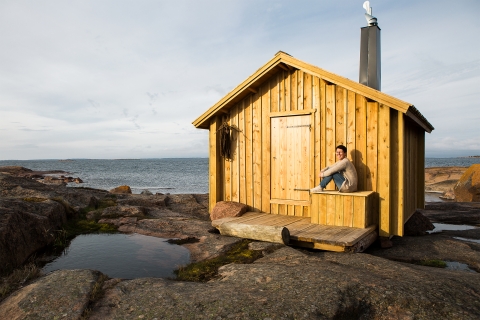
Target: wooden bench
{"type": "Point", "coordinates": [333, 208]}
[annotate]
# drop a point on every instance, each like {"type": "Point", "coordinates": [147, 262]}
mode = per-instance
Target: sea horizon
{"type": "Point", "coordinates": [158, 175]}
{"type": "Point", "coordinates": [159, 158]}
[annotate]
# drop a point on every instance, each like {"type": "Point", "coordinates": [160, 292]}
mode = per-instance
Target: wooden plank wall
{"type": "Point", "coordinates": [414, 174]}
{"type": "Point", "coordinates": [396, 177]}
{"type": "Point", "coordinates": [379, 146]}
{"type": "Point", "coordinates": [348, 210]}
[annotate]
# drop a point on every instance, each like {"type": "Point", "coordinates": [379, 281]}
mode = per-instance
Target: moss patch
{"type": "Point", "coordinates": [432, 263]}
{"type": "Point", "coordinates": [81, 225]}
{"type": "Point", "coordinates": [205, 270]}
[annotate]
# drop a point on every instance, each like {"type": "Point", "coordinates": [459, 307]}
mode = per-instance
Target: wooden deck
{"type": "Point", "coordinates": [306, 234]}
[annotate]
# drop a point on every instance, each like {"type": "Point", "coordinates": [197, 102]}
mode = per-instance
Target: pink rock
{"type": "Point", "coordinates": [448, 195]}
{"type": "Point", "coordinates": [224, 209]}
{"type": "Point", "coordinates": [467, 188]}
{"type": "Point", "coordinates": [121, 189]}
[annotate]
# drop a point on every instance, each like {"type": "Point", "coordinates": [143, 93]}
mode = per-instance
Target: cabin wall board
{"type": "Point", "coordinates": [215, 177]}
{"type": "Point", "coordinates": [386, 148]}
{"type": "Point", "coordinates": [414, 162]}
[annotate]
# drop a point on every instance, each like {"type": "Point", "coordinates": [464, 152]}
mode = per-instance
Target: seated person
{"type": "Point", "coordinates": [342, 172]}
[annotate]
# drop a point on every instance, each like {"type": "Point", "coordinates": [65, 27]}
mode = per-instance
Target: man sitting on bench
{"type": "Point", "coordinates": [342, 172]}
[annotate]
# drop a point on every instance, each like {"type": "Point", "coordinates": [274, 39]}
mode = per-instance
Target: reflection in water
{"type": "Point", "coordinates": [439, 227]}
{"type": "Point", "coordinates": [465, 239]}
{"type": "Point", "coordinates": [454, 265]}
{"type": "Point", "coordinates": [125, 256]}
{"type": "Point", "coordinates": [434, 197]}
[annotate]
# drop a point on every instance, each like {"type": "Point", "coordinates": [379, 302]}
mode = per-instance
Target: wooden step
{"type": "Point", "coordinates": [306, 234]}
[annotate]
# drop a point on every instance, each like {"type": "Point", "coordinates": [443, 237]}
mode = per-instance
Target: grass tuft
{"type": "Point", "coordinates": [96, 294]}
{"type": "Point", "coordinates": [203, 271]}
{"type": "Point", "coordinates": [17, 278]}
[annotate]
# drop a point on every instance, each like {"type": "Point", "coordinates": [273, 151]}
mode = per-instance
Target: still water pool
{"type": "Point", "coordinates": [126, 256]}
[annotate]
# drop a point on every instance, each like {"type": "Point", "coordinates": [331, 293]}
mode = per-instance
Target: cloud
{"type": "Point", "coordinates": [91, 79]}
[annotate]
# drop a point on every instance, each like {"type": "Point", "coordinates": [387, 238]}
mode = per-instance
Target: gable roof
{"type": "Point", "coordinates": [285, 61]}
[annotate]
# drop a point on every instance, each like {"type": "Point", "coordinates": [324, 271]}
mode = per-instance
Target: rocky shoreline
{"type": "Point", "coordinates": [287, 282]}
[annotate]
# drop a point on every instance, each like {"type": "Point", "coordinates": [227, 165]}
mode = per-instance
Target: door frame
{"type": "Point", "coordinates": [310, 112]}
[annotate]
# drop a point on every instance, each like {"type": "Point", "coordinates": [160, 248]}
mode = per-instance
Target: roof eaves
{"type": "Point", "coordinates": [348, 84]}
{"type": "Point", "coordinates": [416, 116]}
{"type": "Point", "coordinates": [290, 62]}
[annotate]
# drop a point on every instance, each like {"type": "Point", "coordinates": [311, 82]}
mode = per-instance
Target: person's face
{"type": "Point", "coordinates": [340, 154]}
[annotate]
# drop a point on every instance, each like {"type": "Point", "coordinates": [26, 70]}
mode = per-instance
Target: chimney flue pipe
{"type": "Point", "coordinates": [370, 70]}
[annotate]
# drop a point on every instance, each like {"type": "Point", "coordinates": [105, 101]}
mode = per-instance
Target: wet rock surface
{"type": "Point", "coordinates": [287, 283]}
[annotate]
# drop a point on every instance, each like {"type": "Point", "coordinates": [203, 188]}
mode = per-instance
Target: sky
{"type": "Point", "coordinates": [125, 79]}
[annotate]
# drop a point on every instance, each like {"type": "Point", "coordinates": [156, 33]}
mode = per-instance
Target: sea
{"type": "Point", "coordinates": [174, 175]}
{"type": "Point", "coordinates": [167, 175]}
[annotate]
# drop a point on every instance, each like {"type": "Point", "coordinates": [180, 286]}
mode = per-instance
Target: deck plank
{"type": "Point", "coordinates": [325, 237]}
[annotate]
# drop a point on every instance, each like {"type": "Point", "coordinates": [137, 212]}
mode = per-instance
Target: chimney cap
{"type": "Point", "coordinates": [371, 20]}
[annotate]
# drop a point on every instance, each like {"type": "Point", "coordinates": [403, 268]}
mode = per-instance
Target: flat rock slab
{"type": "Point", "coordinates": [442, 246]}
{"type": "Point", "coordinates": [453, 212]}
{"type": "Point", "coordinates": [442, 178]}
{"type": "Point", "coordinates": [289, 284]}
{"type": "Point", "coordinates": [63, 294]}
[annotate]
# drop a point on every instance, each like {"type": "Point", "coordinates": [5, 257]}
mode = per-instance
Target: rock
{"type": "Point", "coordinates": [146, 192]}
{"type": "Point", "coordinates": [467, 213]}
{"type": "Point", "coordinates": [121, 190]}
{"type": "Point", "coordinates": [187, 204]}
{"type": "Point", "coordinates": [143, 200]}
{"type": "Point", "coordinates": [442, 178]}
{"type": "Point", "coordinates": [331, 286]}
{"type": "Point", "coordinates": [417, 225]}
{"type": "Point", "coordinates": [25, 227]}
{"type": "Point", "coordinates": [467, 188]}
{"type": "Point", "coordinates": [120, 222]}
{"type": "Point", "coordinates": [385, 242]}
{"type": "Point", "coordinates": [15, 170]}
{"type": "Point", "coordinates": [123, 211]}
{"type": "Point", "coordinates": [224, 209]}
{"type": "Point", "coordinates": [448, 195]}
{"type": "Point", "coordinates": [265, 247]}
{"type": "Point", "coordinates": [63, 294]}
{"type": "Point", "coordinates": [78, 180]}
{"type": "Point", "coordinates": [53, 180]}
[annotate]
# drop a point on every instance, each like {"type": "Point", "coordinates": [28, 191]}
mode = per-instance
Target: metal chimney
{"type": "Point", "coordinates": [370, 71]}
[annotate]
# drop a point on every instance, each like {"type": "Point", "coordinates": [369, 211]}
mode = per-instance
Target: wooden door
{"type": "Point", "coordinates": [290, 157]}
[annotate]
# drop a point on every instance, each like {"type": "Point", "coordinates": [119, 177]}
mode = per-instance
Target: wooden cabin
{"type": "Point", "coordinates": [287, 119]}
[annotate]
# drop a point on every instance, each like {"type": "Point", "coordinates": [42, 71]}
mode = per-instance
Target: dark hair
{"type": "Point", "coordinates": [341, 146]}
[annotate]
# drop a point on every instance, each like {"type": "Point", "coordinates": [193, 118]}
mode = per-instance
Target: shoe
{"type": "Point", "coordinates": [317, 189]}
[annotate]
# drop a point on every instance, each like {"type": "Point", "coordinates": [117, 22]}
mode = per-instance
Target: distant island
{"type": "Point", "coordinates": [470, 157]}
